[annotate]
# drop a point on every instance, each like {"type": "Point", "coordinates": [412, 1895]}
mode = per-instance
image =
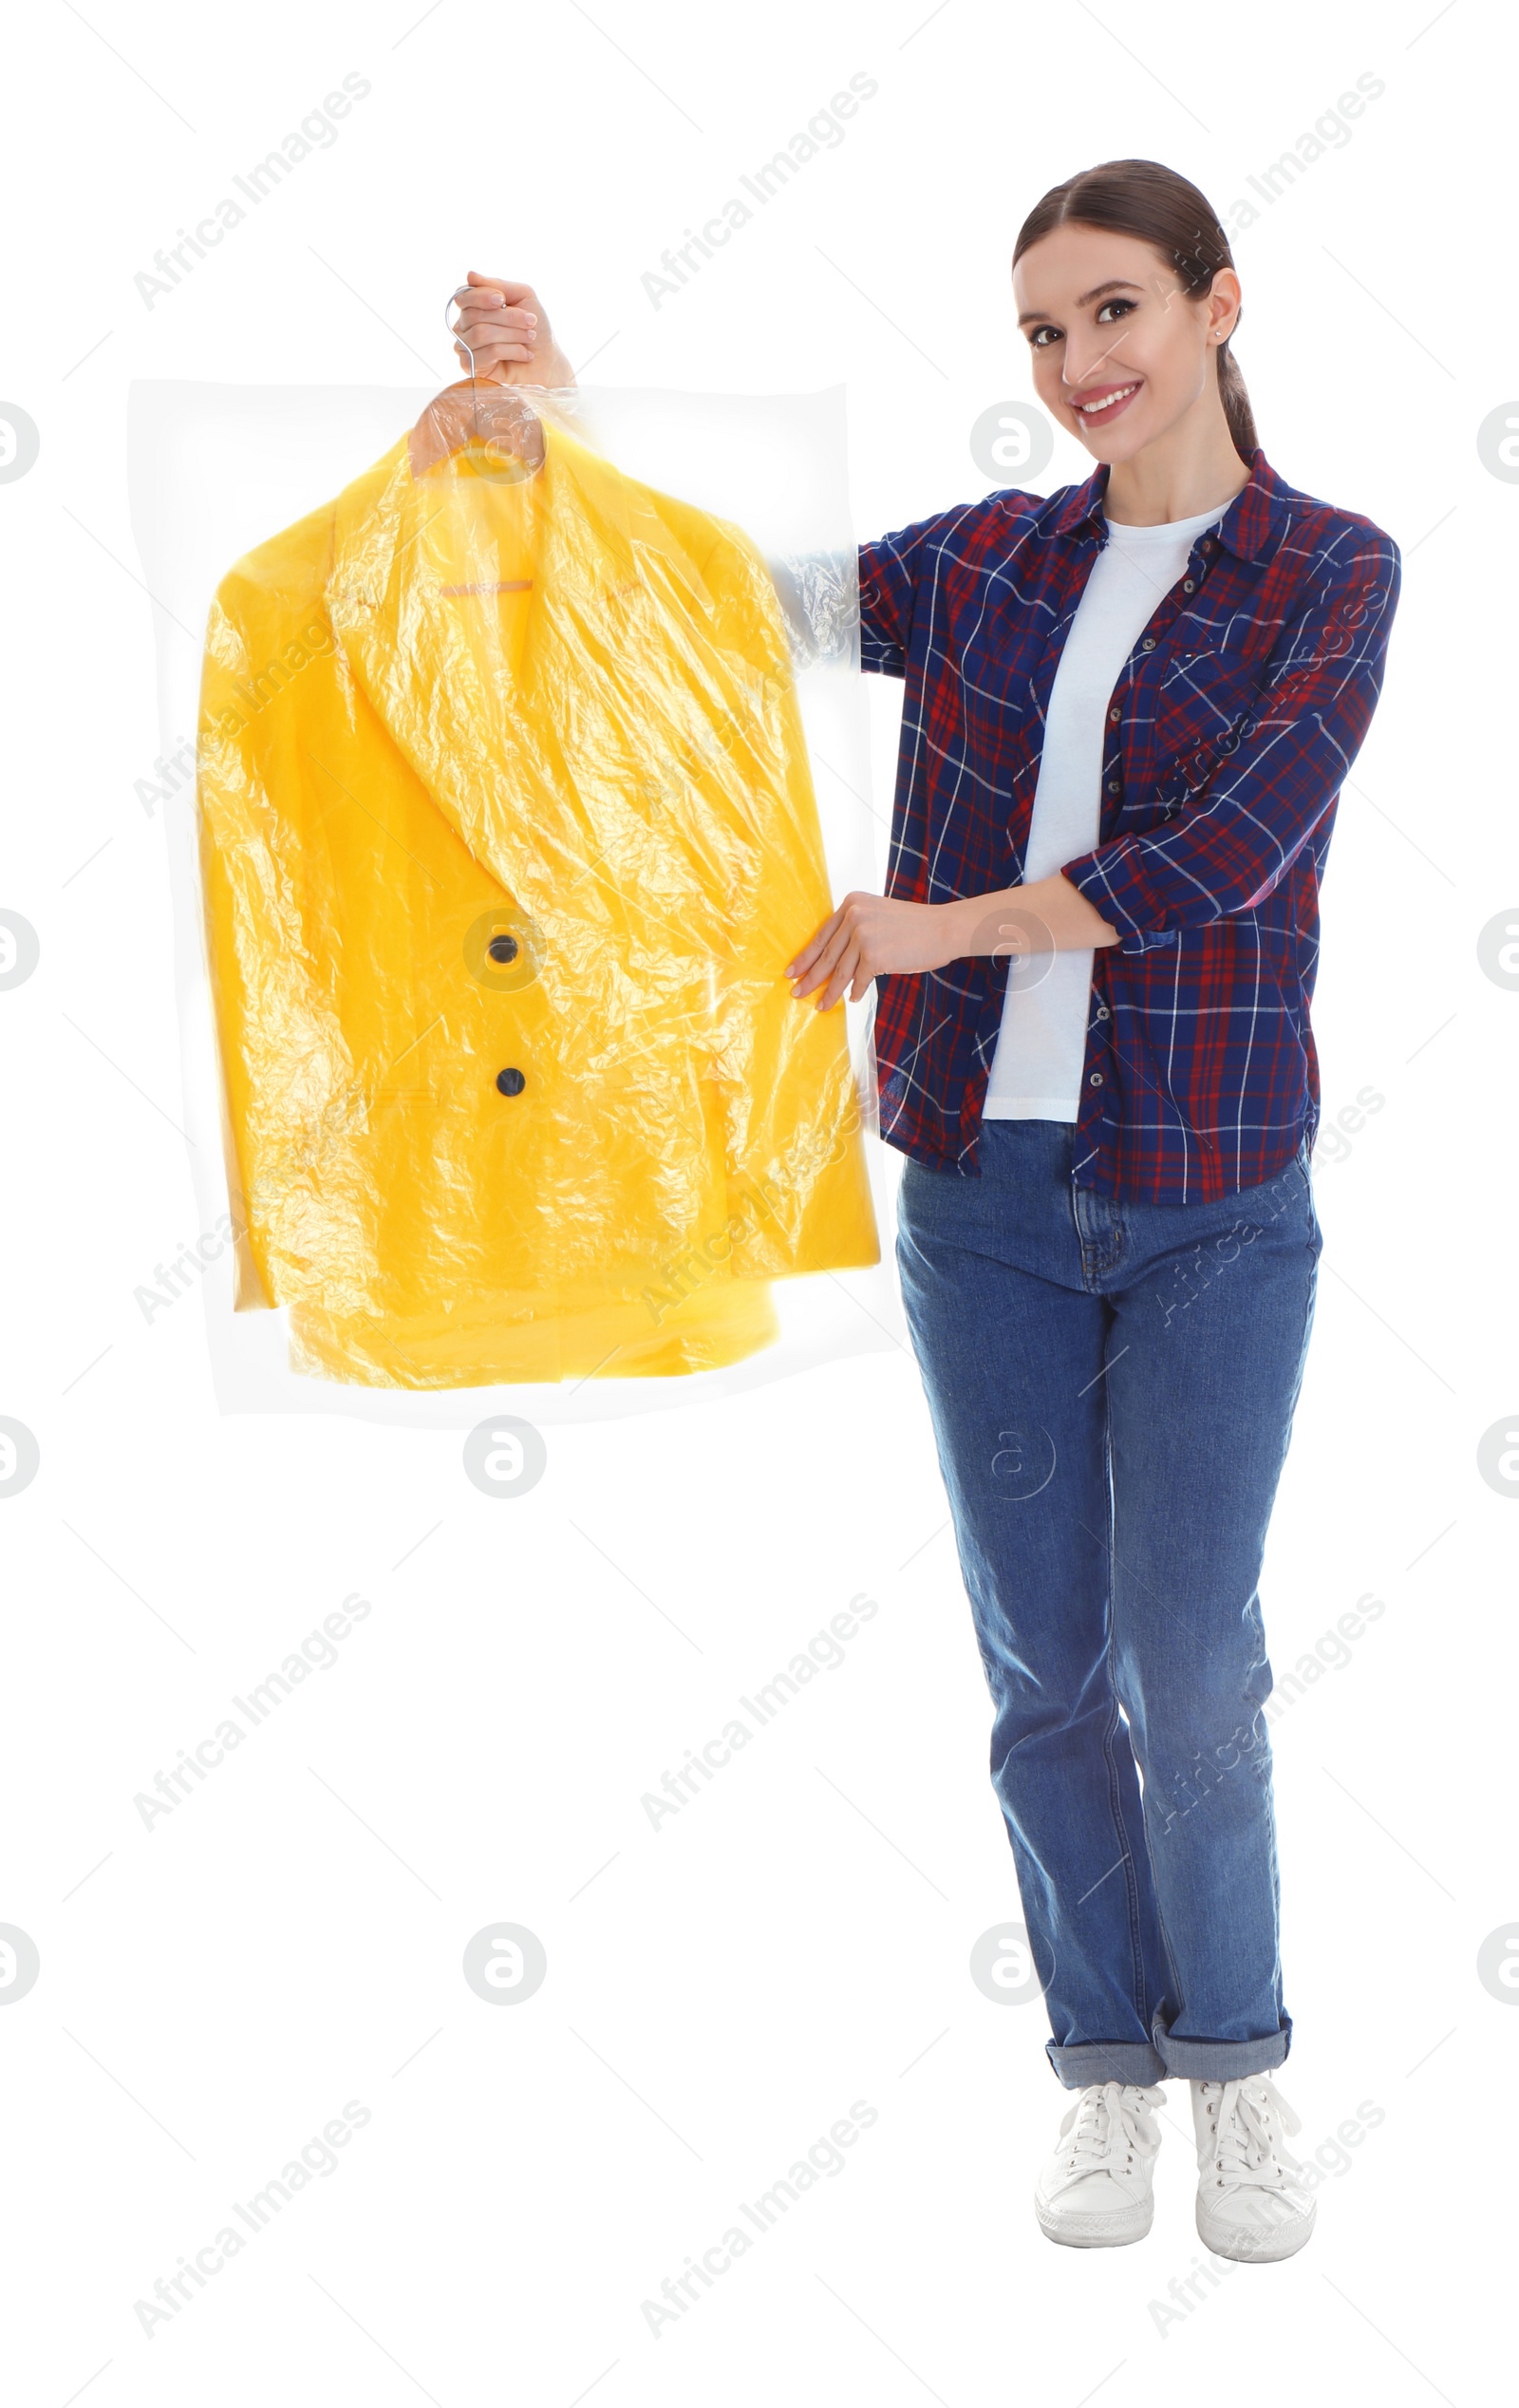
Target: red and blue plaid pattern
{"type": "Point", "coordinates": [1231, 731]}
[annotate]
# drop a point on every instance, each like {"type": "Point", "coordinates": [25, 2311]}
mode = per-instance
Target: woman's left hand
{"type": "Point", "coordinates": [870, 933]}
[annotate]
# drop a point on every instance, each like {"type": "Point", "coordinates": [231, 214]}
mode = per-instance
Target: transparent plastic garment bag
{"type": "Point", "coordinates": [507, 824]}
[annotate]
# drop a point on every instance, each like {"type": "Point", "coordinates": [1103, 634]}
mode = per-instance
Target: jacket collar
{"type": "Point", "coordinates": [397, 537]}
{"type": "Point", "coordinates": [410, 598]}
{"type": "Point", "coordinates": [483, 723]}
{"type": "Point", "coordinates": [1252, 528]}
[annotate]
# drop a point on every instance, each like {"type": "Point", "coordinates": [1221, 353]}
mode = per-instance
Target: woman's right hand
{"type": "Point", "coordinates": [507, 328]}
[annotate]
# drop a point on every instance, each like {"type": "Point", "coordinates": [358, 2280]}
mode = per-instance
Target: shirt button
{"type": "Point", "coordinates": [1190, 585]}
{"type": "Point", "coordinates": [1113, 786]}
{"type": "Point", "coordinates": [1115, 713]}
{"type": "Point", "coordinates": [1103, 1011]}
{"type": "Point", "coordinates": [1096, 1079]}
{"type": "Point", "coordinates": [1208, 543]}
{"type": "Point", "coordinates": [1149, 644]}
{"type": "Point", "coordinates": [502, 949]}
{"type": "Point", "coordinates": [510, 1083]}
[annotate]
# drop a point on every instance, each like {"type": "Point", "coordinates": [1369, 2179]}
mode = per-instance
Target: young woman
{"type": "Point", "coordinates": [1129, 710]}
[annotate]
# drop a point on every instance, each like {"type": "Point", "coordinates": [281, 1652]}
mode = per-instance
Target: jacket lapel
{"type": "Point", "coordinates": [520, 711]}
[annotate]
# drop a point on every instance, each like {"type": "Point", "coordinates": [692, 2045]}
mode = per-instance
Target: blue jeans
{"type": "Point", "coordinates": [1112, 1386]}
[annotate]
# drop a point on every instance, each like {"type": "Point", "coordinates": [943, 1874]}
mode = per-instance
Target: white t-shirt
{"type": "Point", "coordinates": [1036, 1071]}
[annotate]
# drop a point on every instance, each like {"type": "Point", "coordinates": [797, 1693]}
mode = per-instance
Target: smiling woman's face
{"type": "Point", "coordinates": [1109, 324]}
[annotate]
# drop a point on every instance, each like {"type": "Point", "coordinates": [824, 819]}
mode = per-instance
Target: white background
{"type": "Point", "coordinates": [797, 1939]}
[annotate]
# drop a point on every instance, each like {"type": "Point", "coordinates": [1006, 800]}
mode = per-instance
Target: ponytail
{"type": "Point", "coordinates": [1236, 401]}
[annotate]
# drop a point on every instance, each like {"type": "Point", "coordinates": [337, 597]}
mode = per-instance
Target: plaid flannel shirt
{"type": "Point", "coordinates": [1229, 733]}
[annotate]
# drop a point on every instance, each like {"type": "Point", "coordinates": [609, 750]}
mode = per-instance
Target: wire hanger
{"type": "Point", "coordinates": [505, 442]}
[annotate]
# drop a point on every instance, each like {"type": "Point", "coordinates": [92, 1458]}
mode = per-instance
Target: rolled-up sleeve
{"type": "Point", "coordinates": [1263, 786]}
{"type": "Point", "coordinates": [888, 580]}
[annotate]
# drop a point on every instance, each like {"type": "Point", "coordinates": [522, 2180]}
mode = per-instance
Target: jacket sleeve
{"type": "Point", "coordinates": [273, 682]}
{"type": "Point", "coordinates": [1294, 749]}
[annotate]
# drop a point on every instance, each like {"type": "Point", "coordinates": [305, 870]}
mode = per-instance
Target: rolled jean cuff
{"type": "Point", "coordinates": [1221, 2061]}
{"type": "Point", "coordinates": [1086, 2062]}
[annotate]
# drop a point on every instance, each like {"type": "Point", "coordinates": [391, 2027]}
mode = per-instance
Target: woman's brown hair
{"type": "Point", "coordinates": [1140, 196]}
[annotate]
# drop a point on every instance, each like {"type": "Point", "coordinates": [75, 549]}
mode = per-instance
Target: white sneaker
{"type": "Point", "coordinates": [1251, 2202]}
{"type": "Point", "coordinates": [1095, 2191]}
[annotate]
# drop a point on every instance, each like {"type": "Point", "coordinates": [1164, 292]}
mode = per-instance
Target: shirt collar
{"type": "Point", "coordinates": [1252, 527]}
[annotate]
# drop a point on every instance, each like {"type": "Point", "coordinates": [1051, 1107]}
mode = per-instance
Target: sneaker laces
{"type": "Point", "coordinates": [1109, 2119]}
{"type": "Point", "coordinates": [1247, 2150]}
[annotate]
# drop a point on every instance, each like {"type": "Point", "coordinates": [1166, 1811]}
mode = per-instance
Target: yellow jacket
{"type": "Point", "coordinates": [507, 832]}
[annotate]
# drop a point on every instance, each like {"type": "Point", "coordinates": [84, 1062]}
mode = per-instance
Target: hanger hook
{"type": "Point", "coordinates": [475, 390]}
